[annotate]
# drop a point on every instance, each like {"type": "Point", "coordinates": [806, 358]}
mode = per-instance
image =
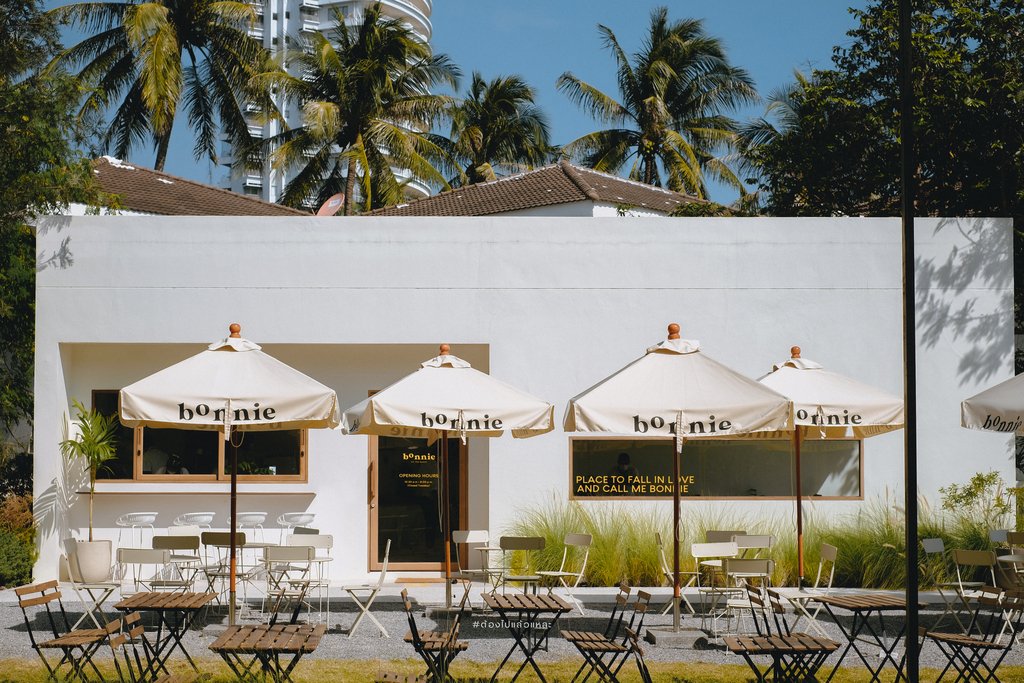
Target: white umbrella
{"type": "Point", "coordinates": [675, 391]}
{"type": "Point", "coordinates": [446, 395]}
{"type": "Point", "coordinates": [997, 409]}
{"type": "Point", "coordinates": [828, 405]}
{"type": "Point", "coordinates": [232, 385]}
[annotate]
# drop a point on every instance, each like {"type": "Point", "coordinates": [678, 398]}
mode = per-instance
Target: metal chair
{"type": "Point", "coordinates": [463, 573]}
{"type": "Point", "coordinates": [77, 646]}
{"type": "Point", "coordinates": [287, 570]}
{"type": "Point", "coordinates": [184, 556]}
{"type": "Point", "coordinates": [289, 520]}
{"type": "Point", "coordinates": [575, 545]}
{"type": "Point", "coordinates": [371, 590]}
{"type": "Point", "coordinates": [92, 595]}
{"type": "Point", "coordinates": [324, 544]}
{"type": "Point", "coordinates": [203, 520]}
{"type": "Point", "coordinates": [526, 544]}
{"type": "Point", "coordinates": [133, 521]}
{"type": "Point", "coordinates": [216, 562]}
{"type": "Point", "coordinates": [252, 521]}
{"type": "Point", "coordinates": [666, 571]}
{"type": "Point", "coordinates": [708, 557]}
{"type": "Point", "coordinates": [146, 569]}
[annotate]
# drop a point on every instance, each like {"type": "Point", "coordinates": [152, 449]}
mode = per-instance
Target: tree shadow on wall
{"type": "Point", "coordinates": [947, 306]}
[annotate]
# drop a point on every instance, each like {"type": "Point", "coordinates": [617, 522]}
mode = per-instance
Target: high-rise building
{"type": "Point", "coordinates": [280, 25]}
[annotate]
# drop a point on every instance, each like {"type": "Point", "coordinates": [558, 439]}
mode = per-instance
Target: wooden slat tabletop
{"type": "Point", "coordinates": [281, 638]}
{"type": "Point", "coordinates": [526, 603]}
{"type": "Point", "coordinates": [865, 601]}
{"type": "Point", "coordinates": [165, 601]}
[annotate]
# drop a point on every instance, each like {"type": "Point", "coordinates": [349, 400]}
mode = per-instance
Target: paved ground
{"type": "Point", "coordinates": [488, 637]}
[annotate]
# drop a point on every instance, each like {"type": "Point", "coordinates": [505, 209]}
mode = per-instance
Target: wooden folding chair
{"type": "Point", "coordinates": [969, 655]}
{"type": "Point", "coordinates": [603, 656]}
{"type": "Point", "coordinates": [125, 636]}
{"type": "Point", "coordinates": [77, 646]}
{"type": "Point", "coordinates": [437, 649]}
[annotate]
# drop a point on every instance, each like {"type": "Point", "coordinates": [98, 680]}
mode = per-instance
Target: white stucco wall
{"type": "Point", "coordinates": [549, 304]}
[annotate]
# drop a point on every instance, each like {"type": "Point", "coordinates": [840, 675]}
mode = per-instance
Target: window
{"type": "Point", "coordinates": [733, 468]}
{"type": "Point", "coordinates": [198, 455]}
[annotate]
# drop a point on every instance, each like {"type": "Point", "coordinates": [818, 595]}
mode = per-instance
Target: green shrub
{"type": "Point", "coordinates": [16, 559]}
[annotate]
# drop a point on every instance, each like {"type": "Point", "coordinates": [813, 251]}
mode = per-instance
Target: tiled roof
{"type": "Point", "coordinates": [148, 191]}
{"type": "Point", "coordinates": [560, 183]}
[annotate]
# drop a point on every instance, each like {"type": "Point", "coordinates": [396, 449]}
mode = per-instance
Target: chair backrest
{"type": "Point", "coordinates": [716, 549]}
{"type": "Point", "coordinates": [974, 558]}
{"type": "Point", "coordinates": [715, 536]}
{"type": "Point", "coordinates": [521, 543]}
{"type": "Point", "coordinates": [289, 553]}
{"type": "Point", "coordinates": [185, 530]}
{"type": "Point", "coordinates": [666, 569]}
{"type": "Point", "coordinates": [826, 565]}
{"type": "Point", "coordinates": [471, 536]}
{"type": "Point", "coordinates": [46, 595]}
{"type": "Point", "coordinates": [319, 541]}
{"type": "Point", "coordinates": [611, 629]}
{"type": "Point", "coordinates": [467, 537]}
{"type": "Point", "coordinates": [747, 569]}
{"type": "Point", "coordinates": [754, 541]}
{"type": "Point", "coordinates": [933, 545]}
{"type": "Point", "coordinates": [222, 538]}
{"type": "Point", "coordinates": [640, 608]}
{"type": "Point", "coordinates": [998, 535]}
{"type": "Point", "coordinates": [578, 543]}
{"type": "Point", "coordinates": [176, 542]}
{"type": "Point", "coordinates": [305, 530]}
{"type": "Point", "coordinates": [384, 565]}
{"type": "Point", "coordinates": [1015, 539]}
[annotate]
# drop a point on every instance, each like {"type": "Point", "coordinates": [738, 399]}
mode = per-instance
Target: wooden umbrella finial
{"type": "Point", "coordinates": [794, 352]}
{"type": "Point", "coordinates": [673, 331]}
{"type": "Point", "coordinates": [235, 330]}
{"type": "Point", "coordinates": [445, 349]}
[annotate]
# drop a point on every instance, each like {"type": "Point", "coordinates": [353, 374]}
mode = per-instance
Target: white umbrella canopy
{"type": "Point", "coordinates": [446, 395]}
{"type": "Point", "coordinates": [997, 409]}
{"type": "Point", "coordinates": [827, 405]}
{"type": "Point", "coordinates": [231, 386]}
{"type": "Point", "coordinates": [676, 391]}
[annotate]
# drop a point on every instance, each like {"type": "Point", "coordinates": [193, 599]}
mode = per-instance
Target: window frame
{"type": "Point", "coordinates": [574, 497]}
{"type": "Point", "coordinates": [138, 441]}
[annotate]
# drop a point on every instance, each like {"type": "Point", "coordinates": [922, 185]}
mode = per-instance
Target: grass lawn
{"type": "Point", "coordinates": [364, 671]}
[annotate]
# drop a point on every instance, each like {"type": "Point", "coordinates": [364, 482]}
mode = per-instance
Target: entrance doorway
{"type": "Point", "coordinates": [405, 500]}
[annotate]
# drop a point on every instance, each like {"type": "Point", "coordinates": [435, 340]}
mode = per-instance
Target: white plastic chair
{"type": "Point", "coordinates": [371, 590]}
{"type": "Point", "coordinates": [203, 520]}
{"type": "Point", "coordinates": [133, 521]}
{"type": "Point", "coordinates": [575, 544]}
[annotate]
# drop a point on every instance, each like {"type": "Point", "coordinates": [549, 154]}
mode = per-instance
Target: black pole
{"type": "Point", "coordinates": [676, 541]}
{"type": "Point", "coordinates": [446, 524]}
{"type": "Point", "coordinates": [233, 571]}
{"type": "Point", "coordinates": [907, 181]}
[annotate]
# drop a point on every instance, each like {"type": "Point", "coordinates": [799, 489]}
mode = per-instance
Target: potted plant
{"type": "Point", "coordinates": [94, 444]}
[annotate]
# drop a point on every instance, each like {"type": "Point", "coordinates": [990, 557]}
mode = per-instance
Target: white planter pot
{"type": "Point", "coordinates": [90, 562]}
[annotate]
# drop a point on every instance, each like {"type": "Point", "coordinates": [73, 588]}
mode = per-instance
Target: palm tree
{"type": "Point", "coordinates": [496, 125]}
{"type": "Point", "coordinates": [365, 90]}
{"type": "Point", "coordinates": [670, 119]}
{"type": "Point", "coordinates": [156, 56]}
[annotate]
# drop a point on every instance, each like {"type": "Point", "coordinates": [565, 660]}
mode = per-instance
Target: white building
{"type": "Point", "coordinates": [282, 25]}
{"type": "Point", "coordinates": [549, 304]}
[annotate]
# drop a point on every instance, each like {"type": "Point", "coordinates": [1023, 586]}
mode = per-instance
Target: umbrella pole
{"type": "Point", "coordinates": [676, 590]}
{"type": "Point", "coordinates": [234, 522]}
{"type": "Point", "coordinates": [799, 511]}
{"type": "Point", "coordinates": [446, 521]}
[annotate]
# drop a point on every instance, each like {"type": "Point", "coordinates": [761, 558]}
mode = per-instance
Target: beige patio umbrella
{"type": "Point", "coordinates": [448, 396]}
{"type": "Point", "coordinates": [231, 386]}
{"type": "Point", "coordinates": [827, 405]}
{"type": "Point", "coordinates": [675, 391]}
{"type": "Point", "coordinates": [997, 409]}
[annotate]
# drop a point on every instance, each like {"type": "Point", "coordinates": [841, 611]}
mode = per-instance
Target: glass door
{"type": "Point", "coordinates": [405, 500]}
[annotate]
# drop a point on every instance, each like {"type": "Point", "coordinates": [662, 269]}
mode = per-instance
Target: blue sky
{"type": "Point", "coordinates": [540, 39]}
